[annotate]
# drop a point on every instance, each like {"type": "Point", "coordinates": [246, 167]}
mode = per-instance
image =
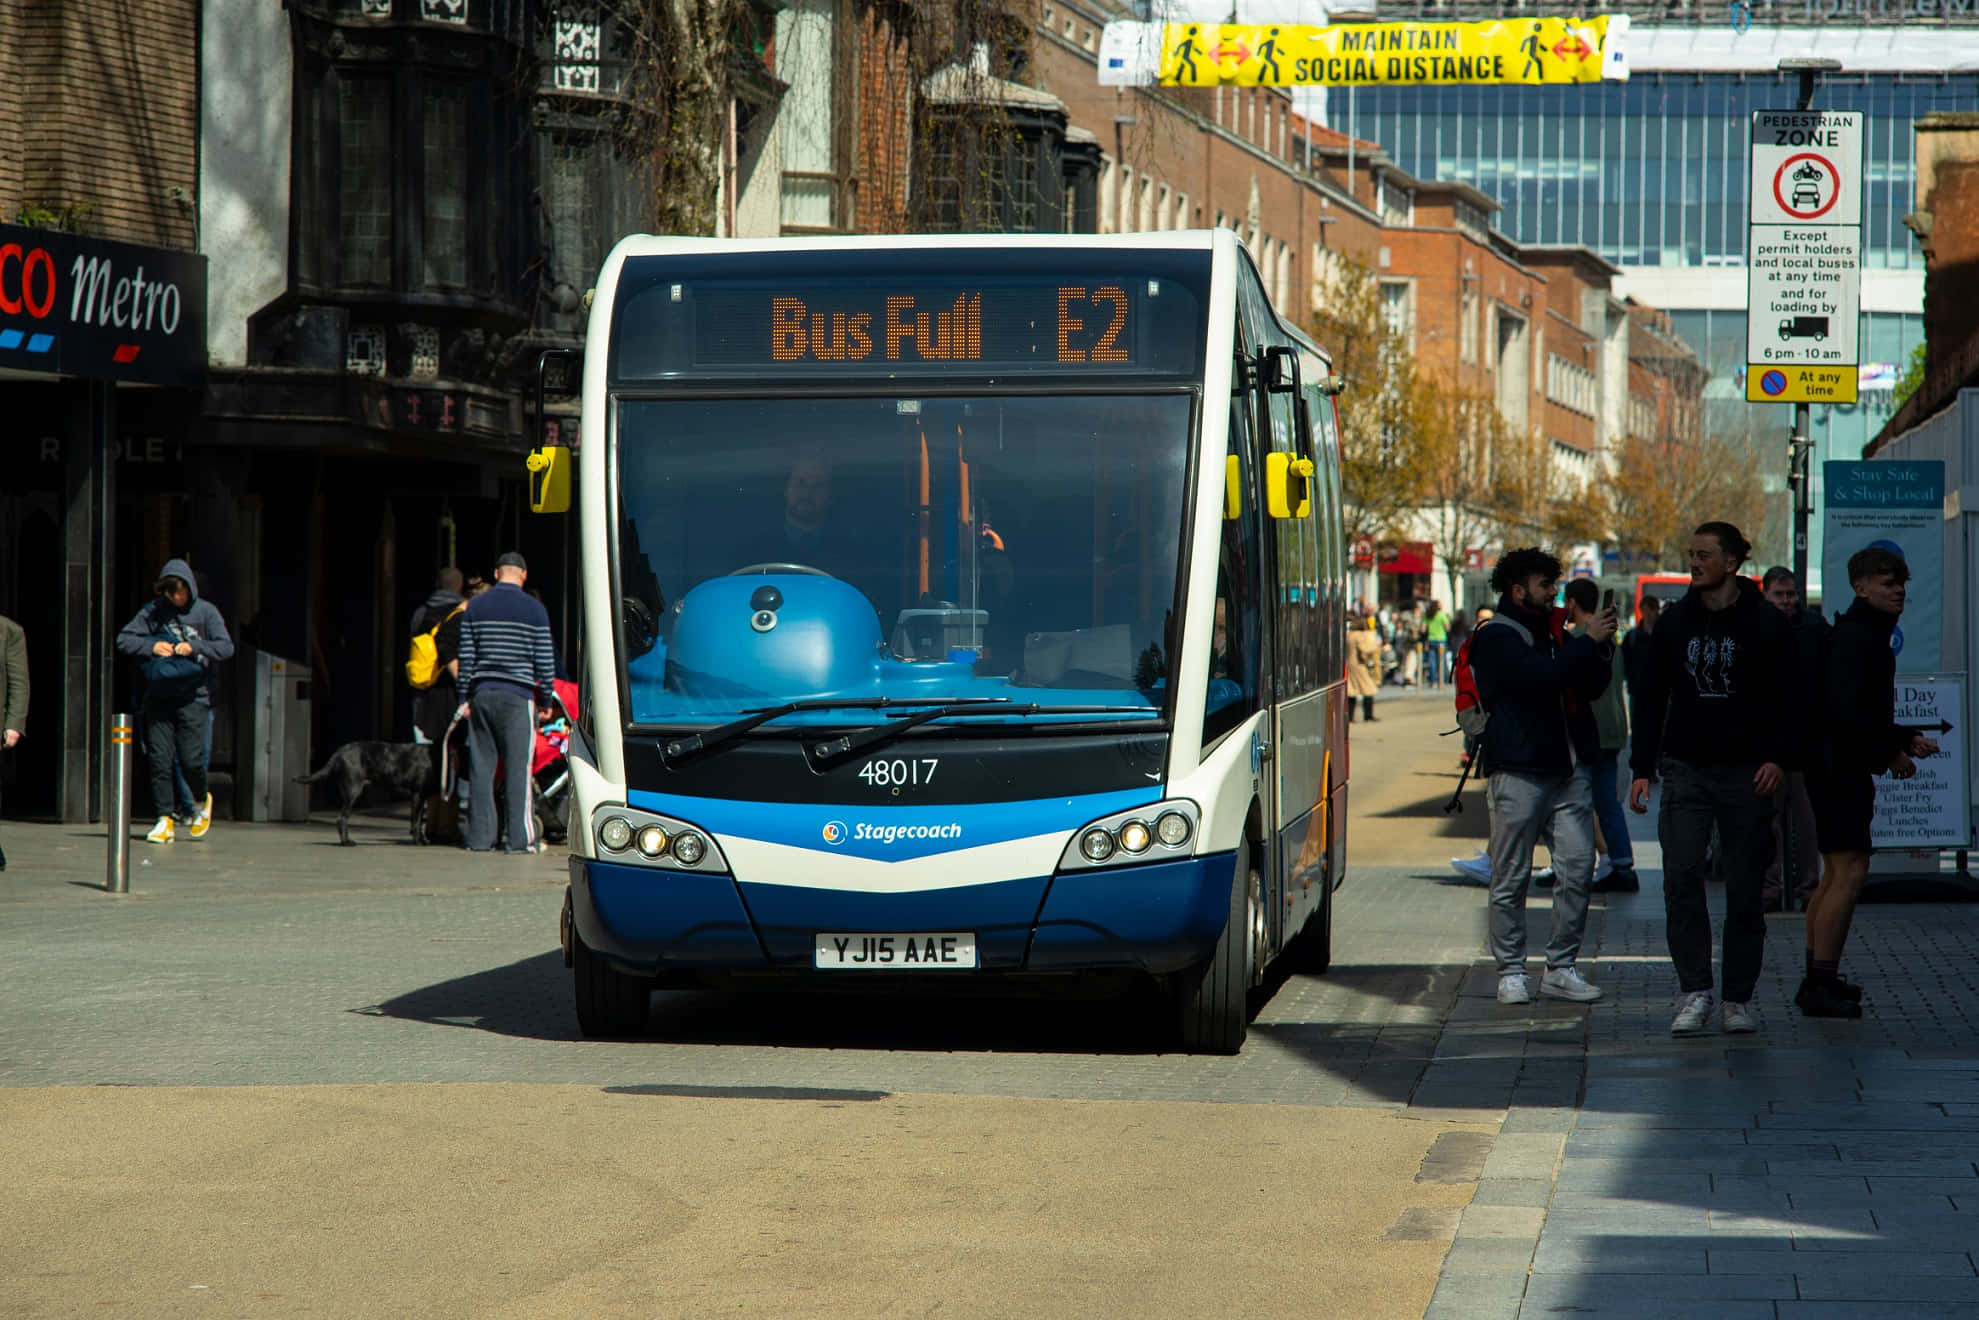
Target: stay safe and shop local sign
{"type": "Point", "coordinates": [1804, 257]}
{"type": "Point", "coordinates": [1928, 809]}
{"type": "Point", "coordinates": [75, 306]}
{"type": "Point", "coordinates": [1517, 51]}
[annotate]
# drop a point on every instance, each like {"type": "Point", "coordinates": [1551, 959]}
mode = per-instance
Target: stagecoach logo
{"type": "Point", "coordinates": [836, 833]}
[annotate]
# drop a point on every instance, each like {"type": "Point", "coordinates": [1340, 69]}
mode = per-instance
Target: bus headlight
{"type": "Point", "coordinates": [627, 835]}
{"type": "Point", "coordinates": [1127, 838]}
{"type": "Point", "coordinates": [1173, 829]}
{"type": "Point", "coordinates": [1134, 837]}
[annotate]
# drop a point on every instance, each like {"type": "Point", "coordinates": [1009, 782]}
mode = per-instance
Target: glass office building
{"type": "Point", "coordinates": [1653, 175]}
{"type": "Point", "coordinates": [1653, 171]}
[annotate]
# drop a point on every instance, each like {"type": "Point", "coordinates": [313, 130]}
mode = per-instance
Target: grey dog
{"type": "Point", "coordinates": [404, 767]}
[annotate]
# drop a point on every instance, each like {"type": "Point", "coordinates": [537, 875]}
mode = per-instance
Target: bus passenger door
{"type": "Point", "coordinates": [1298, 704]}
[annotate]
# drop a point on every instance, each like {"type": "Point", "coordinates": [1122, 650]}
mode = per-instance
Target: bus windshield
{"type": "Point", "coordinates": [1025, 548]}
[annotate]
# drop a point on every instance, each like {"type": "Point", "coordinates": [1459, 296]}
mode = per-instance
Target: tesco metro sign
{"type": "Point", "coordinates": [77, 306]}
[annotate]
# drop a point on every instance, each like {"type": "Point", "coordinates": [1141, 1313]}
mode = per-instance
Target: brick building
{"type": "Point", "coordinates": [99, 128]}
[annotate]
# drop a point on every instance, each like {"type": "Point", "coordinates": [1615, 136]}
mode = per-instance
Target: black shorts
{"type": "Point", "coordinates": [1843, 805]}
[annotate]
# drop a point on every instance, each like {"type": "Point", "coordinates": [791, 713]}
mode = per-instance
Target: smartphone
{"type": "Point", "coordinates": [1608, 599]}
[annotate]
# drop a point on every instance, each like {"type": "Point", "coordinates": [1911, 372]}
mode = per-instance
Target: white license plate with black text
{"type": "Point", "coordinates": [910, 951]}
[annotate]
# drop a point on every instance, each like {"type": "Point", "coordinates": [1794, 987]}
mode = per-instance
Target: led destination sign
{"type": "Point", "coordinates": [990, 325]}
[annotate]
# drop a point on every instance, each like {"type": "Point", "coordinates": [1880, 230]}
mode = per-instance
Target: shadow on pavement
{"type": "Point", "coordinates": [530, 999]}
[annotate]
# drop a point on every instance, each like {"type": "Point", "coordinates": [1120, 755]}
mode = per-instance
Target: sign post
{"type": "Point", "coordinates": [1804, 256]}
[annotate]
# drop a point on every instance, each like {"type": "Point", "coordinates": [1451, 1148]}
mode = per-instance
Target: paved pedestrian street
{"type": "Point", "coordinates": [282, 1077]}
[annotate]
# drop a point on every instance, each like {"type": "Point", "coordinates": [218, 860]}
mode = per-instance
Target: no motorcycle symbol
{"type": "Point", "coordinates": [1807, 186]}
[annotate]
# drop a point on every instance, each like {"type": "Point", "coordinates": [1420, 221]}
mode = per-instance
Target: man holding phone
{"type": "Point", "coordinates": [1540, 744]}
{"type": "Point", "coordinates": [1611, 725]}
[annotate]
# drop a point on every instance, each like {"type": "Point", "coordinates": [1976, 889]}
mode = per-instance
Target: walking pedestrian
{"type": "Point", "coordinates": [1363, 668]}
{"type": "Point", "coordinates": [506, 662]}
{"type": "Point", "coordinates": [1635, 645]}
{"type": "Point", "coordinates": [13, 692]}
{"type": "Point", "coordinates": [1436, 645]}
{"type": "Point", "coordinates": [1795, 877]}
{"type": "Point", "coordinates": [1537, 684]}
{"type": "Point", "coordinates": [1616, 872]}
{"type": "Point", "coordinates": [177, 637]}
{"type": "Point", "coordinates": [1860, 739]}
{"type": "Point", "coordinates": [1408, 645]}
{"type": "Point", "coordinates": [1712, 721]}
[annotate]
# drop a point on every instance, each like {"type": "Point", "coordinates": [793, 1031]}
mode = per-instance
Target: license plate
{"type": "Point", "coordinates": [909, 951]}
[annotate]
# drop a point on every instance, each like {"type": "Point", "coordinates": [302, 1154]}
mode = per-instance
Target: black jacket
{"type": "Point", "coordinates": [1719, 686]}
{"type": "Point", "coordinates": [1858, 727]}
{"type": "Point", "coordinates": [1538, 695]}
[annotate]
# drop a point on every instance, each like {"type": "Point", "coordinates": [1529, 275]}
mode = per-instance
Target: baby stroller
{"type": "Point", "coordinates": [437, 819]}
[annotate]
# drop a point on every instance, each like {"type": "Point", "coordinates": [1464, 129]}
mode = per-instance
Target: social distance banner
{"type": "Point", "coordinates": [1528, 51]}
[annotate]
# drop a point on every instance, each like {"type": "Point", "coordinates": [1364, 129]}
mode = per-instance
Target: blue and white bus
{"type": "Point", "coordinates": [955, 608]}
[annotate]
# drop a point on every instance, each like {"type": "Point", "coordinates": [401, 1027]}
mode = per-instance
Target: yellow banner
{"type": "Point", "coordinates": [1526, 50]}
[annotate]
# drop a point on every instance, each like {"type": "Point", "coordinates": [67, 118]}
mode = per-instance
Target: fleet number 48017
{"type": "Point", "coordinates": [897, 773]}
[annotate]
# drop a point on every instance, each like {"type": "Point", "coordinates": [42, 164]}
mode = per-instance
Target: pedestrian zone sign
{"type": "Point", "coordinates": [1804, 257]}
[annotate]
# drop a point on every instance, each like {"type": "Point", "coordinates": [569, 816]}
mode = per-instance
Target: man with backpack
{"type": "Point", "coordinates": [1534, 687]}
{"type": "Point", "coordinates": [1712, 717]}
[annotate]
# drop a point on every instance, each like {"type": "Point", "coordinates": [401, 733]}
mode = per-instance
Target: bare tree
{"type": "Point", "coordinates": [1466, 439]}
{"type": "Point", "coordinates": [1385, 411]}
{"type": "Point", "coordinates": [686, 53]}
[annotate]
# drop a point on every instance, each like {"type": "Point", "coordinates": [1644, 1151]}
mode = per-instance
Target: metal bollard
{"type": "Point", "coordinates": [117, 806]}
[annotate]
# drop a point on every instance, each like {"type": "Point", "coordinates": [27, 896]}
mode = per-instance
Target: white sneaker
{"type": "Point", "coordinates": [1513, 988]}
{"type": "Point", "coordinates": [1606, 865]}
{"type": "Point", "coordinates": [1694, 1018]}
{"type": "Point", "coordinates": [1568, 983]}
{"type": "Point", "coordinates": [1476, 868]}
{"type": "Point", "coordinates": [163, 831]}
{"type": "Point", "coordinates": [1737, 1018]}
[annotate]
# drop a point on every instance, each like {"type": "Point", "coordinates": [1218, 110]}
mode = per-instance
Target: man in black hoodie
{"type": "Point", "coordinates": [1862, 739]}
{"type": "Point", "coordinates": [1712, 718]}
{"type": "Point", "coordinates": [177, 638]}
{"type": "Point", "coordinates": [1540, 742]}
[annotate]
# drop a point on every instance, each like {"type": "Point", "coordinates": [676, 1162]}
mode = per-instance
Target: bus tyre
{"type": "Point", "coordinates": [609, 1003]}
{"type": "Point", "coordinates": [1212, 1011]}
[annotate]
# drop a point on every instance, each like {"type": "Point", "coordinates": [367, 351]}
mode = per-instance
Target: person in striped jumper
{"type": "Point", "coordinates": [505, 664]}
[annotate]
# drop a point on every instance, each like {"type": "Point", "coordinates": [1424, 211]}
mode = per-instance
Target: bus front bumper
{"type": "Point", "coordinates": [1156, 918]}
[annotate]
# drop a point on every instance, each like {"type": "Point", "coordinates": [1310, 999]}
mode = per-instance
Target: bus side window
{"type": "Point", "coordinates": [1232, 696]}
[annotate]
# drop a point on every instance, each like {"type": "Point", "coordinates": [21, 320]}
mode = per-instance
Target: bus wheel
{"type": "Point", "coordinates": [1212, 1012]}
{"type": "Point", "coordinates": [609, 1003]}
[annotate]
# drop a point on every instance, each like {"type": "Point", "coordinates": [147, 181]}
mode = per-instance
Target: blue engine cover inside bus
{"type": "Point", "coordinates": [792, 634]}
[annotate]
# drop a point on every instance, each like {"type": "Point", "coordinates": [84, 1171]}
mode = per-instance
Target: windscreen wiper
{"type": "Point", "coordinates": [833, 748]}
{"type": "Point", "coordinates": [676, 750]}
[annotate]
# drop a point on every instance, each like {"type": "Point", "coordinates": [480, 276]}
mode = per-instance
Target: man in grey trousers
{"type": "Point", "coordinates": [506, 662]}
{"type": "Point", "coordinates": [1537, 686]}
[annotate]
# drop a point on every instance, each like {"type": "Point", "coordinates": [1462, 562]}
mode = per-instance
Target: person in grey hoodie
{"type": "Point", "coordinates": [176, 639]}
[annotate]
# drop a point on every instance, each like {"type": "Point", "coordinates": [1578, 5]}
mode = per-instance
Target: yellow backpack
{"type": "Point", "coordinates": [422, 667]}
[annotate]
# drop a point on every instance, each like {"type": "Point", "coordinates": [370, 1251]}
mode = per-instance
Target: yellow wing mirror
{"type": "Point", "coordinates": [549, 478]}
{"type": "Point", "coordinates": [1287, 485]}
{"type": "Point", "coordinates": [549, 465]}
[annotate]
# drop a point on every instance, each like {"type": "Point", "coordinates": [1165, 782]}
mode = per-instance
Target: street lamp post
{"type": "Point", "coordinates": [1801, 446]}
